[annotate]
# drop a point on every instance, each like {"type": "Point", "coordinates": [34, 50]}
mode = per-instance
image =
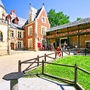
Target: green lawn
{"type": "Point", "coordinates": [68, 72]}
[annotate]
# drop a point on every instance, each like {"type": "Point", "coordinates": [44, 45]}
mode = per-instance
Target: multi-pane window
{"type": "Point", "coordinates": [19, 44]}
{"type": "Point", "coordinates": [29, 43]}
{"type": "Point", "coordinates": [12, 33]}
{"type": "Point", "coordinates": [1, 36]}
{"type": "Point", "coordinates": [19, 34]}
{"type": "Point", "coordinates": [43, 31]}
{"type": "Point", "coordinates": [29, 31]}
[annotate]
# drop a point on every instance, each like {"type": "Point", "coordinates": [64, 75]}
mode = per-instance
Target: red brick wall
{"type": "Point", "coordinates": [28, 37]}
{"type": "Point", "coordinates": [40, 23]}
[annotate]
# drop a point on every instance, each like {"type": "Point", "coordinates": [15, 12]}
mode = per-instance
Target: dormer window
{"type": "Point", "coordinates": [3, 15]}
{"type": "Point", "coordinates": [8, 18]}
{"type": "Point", "coordinates": [43, 19]}
{"type": "Point", "coordinates": [15, 20]}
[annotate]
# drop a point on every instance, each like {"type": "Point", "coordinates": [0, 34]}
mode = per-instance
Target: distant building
{"type": "Point", "coordinates": [17, 33]}
{"type": "Point", "coordinates": [71, 34]}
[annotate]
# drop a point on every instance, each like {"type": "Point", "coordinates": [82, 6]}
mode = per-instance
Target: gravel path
{"type": "Point", "coordinates": [9, 63]}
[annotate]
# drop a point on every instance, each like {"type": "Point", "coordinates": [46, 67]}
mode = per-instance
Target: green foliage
{"type": "Point", "coordinates": [78, 19]}
{"type": "Point", "coordinates": [57, 19]}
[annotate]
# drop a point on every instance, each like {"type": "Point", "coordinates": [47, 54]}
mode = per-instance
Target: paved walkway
{"type": "Point", "coordinates": [9, 64]}
{"type": "Point", "coordinates": [37, 84]}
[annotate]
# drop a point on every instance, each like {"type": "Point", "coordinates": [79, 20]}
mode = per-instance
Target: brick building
{"type": "Point", "coordinates": [71, 34]}
{"type": "Point", "coordinates": [35, 28]}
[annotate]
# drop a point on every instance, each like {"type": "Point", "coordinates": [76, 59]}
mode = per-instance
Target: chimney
{"type": "Point", "coordinates": [13, 12]}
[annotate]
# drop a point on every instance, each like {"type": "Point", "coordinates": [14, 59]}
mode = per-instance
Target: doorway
{"type": "Point", "coordinates": [88, 45]}
{"type": "Point", "coordinates": [63, 41]}
{"type": "Point", "coordinates": [12, 46]}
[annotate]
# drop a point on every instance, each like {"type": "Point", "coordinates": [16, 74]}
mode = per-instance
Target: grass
{"type": "Point", "coordinates": [68, 72]}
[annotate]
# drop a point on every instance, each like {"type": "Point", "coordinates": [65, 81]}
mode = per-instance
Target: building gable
{"type": "Point", "coordinates": [42, 14]}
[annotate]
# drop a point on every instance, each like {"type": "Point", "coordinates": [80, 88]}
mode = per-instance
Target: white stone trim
{"type": "Point", "coordinates": [36, 33]}
{"type": "Point", "coordinates": [43, 27]}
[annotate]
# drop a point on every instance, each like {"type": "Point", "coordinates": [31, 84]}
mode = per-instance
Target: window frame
{"type": "Point", "coordinates": [43, 30]}
{"type": "Point", "coordinates": [30, 31]}
{"type": "Point", "coordinates": [12, 33]}
{"type": "Point", "coordinates": [19, 45]}
{"type": "Point", "coordinates": [43, 19]}
{"type": "Point", "coordinates": [19, 34]}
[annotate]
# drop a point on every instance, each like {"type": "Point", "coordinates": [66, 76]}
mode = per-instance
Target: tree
{"type": "Point", "coordinates": [78, 19]}
{"type": "Point", "coordinates": [57, 19]}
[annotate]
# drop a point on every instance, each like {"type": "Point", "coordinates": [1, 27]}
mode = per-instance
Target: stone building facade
{"type": "Point", "coordinates": [17, 33]}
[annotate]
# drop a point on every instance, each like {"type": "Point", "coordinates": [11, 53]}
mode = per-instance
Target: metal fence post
{"type": "Point", "coordinates": [45, 57]}
{"type": "Point", "coordinates": [42, 66]}
{"type": "Point", "coordinates": [69, 51]}
{"type": "Point", "coordinates": [38, 60]}
{"type": "Point", "coordinates": [19, 66]}
{"type": "Point", "coordinates": [62, 52]}
{"type": "Point", "coordinates": [75, 74]}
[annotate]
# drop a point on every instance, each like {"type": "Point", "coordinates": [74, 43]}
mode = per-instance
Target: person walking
{"type": "Point", "coordinates": [58, 53]}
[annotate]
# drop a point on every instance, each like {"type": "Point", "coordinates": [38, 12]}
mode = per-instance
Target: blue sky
{"type": "Point", "coordinates": [72, 8]}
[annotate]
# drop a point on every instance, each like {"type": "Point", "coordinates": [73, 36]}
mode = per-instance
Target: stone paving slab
{"type": "Point", "coordinates": [37, 84]}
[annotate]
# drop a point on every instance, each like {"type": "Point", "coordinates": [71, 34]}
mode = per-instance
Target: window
{"type": "Point", "coordinates": [12, 33]}
{"type": "Point", "coordinates": [43, 31]}
{"type": "Point", "coordinates": [29, 43]}
{"type": "Point", "coordinates": [1, 36]}
{"type": "Point", "coordinates": [19, 34]}
{"type": "Point", "coordinates": [19, 44]}
{"type": "Point", "coordinates": [43, 19]}
{"type": "Point", "coordinates": [29, 31]}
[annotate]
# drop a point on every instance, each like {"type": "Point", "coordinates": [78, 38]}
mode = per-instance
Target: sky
{"type": "Point", "coordinates": [72, 8]}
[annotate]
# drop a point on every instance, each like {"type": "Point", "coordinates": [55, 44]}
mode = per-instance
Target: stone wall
{"type": "Point", "coordinates": [3, 52]}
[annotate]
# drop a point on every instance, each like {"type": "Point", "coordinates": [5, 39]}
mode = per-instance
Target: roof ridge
{"type": "Point", "coordinates": [70, 24]}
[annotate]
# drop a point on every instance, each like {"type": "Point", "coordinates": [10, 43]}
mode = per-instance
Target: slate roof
{"type": "Point", "coordinates": [38, 11]}
{"type": "Point", "coordinates": [20, 25]}
{"type": "Point", "coordinates": [34, 11]}
{"type": "Point", "coordinates": [71, 24]}
{"type": "Point", "coordinates": [22, 22]}
{"type": "Point", "coordinates": [1, 4]}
